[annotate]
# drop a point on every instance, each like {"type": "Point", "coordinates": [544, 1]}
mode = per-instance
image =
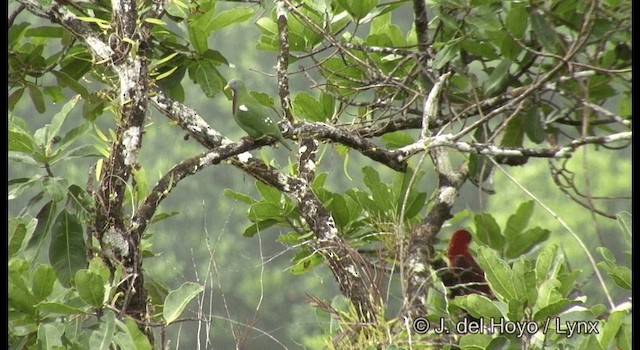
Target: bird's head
{"type": "Point", "coordinates": [235, 85]}
{"type": "Point", "coordinates": [458, 245]}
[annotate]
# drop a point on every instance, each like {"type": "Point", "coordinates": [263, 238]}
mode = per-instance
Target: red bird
{"type": "Point", "coordinates": [469, 277]}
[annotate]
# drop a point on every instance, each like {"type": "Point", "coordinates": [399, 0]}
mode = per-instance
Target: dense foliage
{"type": "Point", "coordinates": [426, 97]}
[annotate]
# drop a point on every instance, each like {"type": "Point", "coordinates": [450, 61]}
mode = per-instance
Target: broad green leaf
{"type": "Point", "coordinates": [396, 139]}
{"type": "Point", "coordinates": [73, 135]}
{"type": "Point", "coordinates": [305, 261]}
{"type": "Point", "coordinates": [543, 32]}
{"type": "Point", "coordinates": [130, 336]}
{"type": "Point", "coordinates": [259, 226]}
{"type": "Point", "coordinates": [517, 19]}
{"type": "Point", "coordinates": [478, 306]}
{"type": "Point", "coordinates": [204, 73]}
{"type": "Point", "coordinates": [533, 125]}
{"type": "Point", "coordinates": [65, 80]}
{"type": "Point", "coordinates": [446, 54]}
{"type": "Point", "coordinates": [90, 287]}
{"type": "Point", "coordinates": [228, 17]}
{"type": "Point", "coordinates": [612, 326]}
{"type": "Point", "coordinates": [269, 193]}
{"type": "Point", "coordinates": [177, 300]}
{"type": "Point", "coordinates": [45, 219]}
{"type": "Point", "coordinates": [548, 263]}
{"type": "Point", "coordinates": [14, 98]}
{"type": "Point", "coordinates": [97, 266]}
{"type": "Point", "coordinates": [37, 98]}
{"type": "Point", "coordinates": [17, 235]}
{"type": "Point", "coordinates": [56, 308]}
{"type": "Point", "coordinates": [177, 8]}
{"type": "Point", "coordinates": [20, 299]}
{"type": "Point", "coordinates": [590, 343]}
{"type": "Point", "coordinates": [199, 39]}
{"type": "Point", "coordinates": [58, 118]}
{"type": "Point", "coordinates": [50, 335]}
{"type": "Point", "coordinates": [471, 341]}
{"type": "Point", "coordinates": [479, 48]}
{"type": "Point", "coordinates": [238, 196]}
{"type": "Point", "coordinates": [498, 79]}
{"type": "Point", "coordinates": [379, 191]}
{"type": "Point", "coordinates": [67, 252]}
{"type": "Point", "coordinates": [488, 231]}
{"type": "Point", "coordinates": [525, 241]}
{"type": "Point", "coordinates": [56, 187]}
{"type": "Point", "coordinates": [21, 142]}
{"type": "Point", "coordinates": [524, 280]}
{"type": "Point", "coordinates": [519, 220]}
{"type": "Point", "coordinates": [101, 338]}
{"type": "Point", "coordinates": [498, 273]}
{"type": "Point", "coordinates": [263, 210]}
{"type": "Point", "coordinates": [306, 107]}
{"type": "Point", "coordinates": [54, 93]}
{"type": "Point", "coordinates": [42, 282]}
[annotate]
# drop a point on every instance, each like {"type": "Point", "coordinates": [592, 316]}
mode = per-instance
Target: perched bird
{"type": "Point", "coordinates": [251, 116]}
{"type": "Point", "coordinates": [469, 277]}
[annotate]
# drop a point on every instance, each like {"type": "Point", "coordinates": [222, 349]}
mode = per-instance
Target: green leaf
{"type": "Point", "coordinates": [177, 8]}
{"type": "Point", "coordinates": [613, 325]}
{"type": "Point", "coordinates": [474, 341]}
{"type": "Point", "coordinates": [306, 107]}
{"type": "Point", "coordinates": [67, 248]}
{"type": "Point", "coordinates": [45, 219]}
{"type": "Point", "coordinates": [548, 263]}
{"type": "Point", "coordinates": [50, 335]}
{"type": "Point", "coordinates": [228, 17]}
{"type": "Point", "coordinates": [55, 308]}
{"type": "Point", "coordinates": [204, 73]}
{"type": "Point", "coordinates": [199, 39]}
{"type": "Point", "coordinates": [101, 338]}
{"type": "Point", "coordinates": [518, 221]}
{"type": "Point", "coordinates": [498, 79]}
{"type": "Point", "coordinates": [65, 80]}
{"type": "Point", "coordinates": [238, 196]}
{"type": "Point", "coordinates": [305, 262]}
{"type": "Point", "coordinates": [37, 98]}
{"type": "Point", "coordinates": [21, 142]}
{"type": "Point", "coordinates": [17, 236]}
{"type": "Point", "coordinates": [396, 139]}
{"type": "Point", "coordinates": [90, 287]}
{"type": "Point", "coordinates": [358, 9]}
{"type": "Point", "coordinates": [498, 274]}
{"type": "Point", "coordinates": [517, 19]}
{"type": "Point", "coordinates": [263, 210]}
{"type": "Point", "coordinates": [479, 48]}
{"type": "Point", "coordinates": [533, 126]}
{"type": "Point", "coordinates": [379, 191]}
{"type": "Point", "coordinates": [525, 242]}
{"type": "Point", "coordinates": [56, 187]}
{"type": "Point", "coordinates": [446, 54]}
{"type": "Point", "coordinates": [543, 32]}
{"type": "Point", "coordinates": [488, 231]}
{"type": "Point", "coordinates": [259, 226]}
{"type": "Point", "coordinates": [177, 300]}
{"type": "Point", "coordinates": [58, 118]}
{"type": "Point", "coordinates": [54, 93]}
{"type": "Point", "coordinates": [269, 193]}
{"type": "Point", "coordinates": [14, 97]}
{"type": "Point", "coordinates": [478, 306]}
{"type": "Point", "coordinates": [130, 336]}
{"type": "Point", "coordinates": [42, 282]}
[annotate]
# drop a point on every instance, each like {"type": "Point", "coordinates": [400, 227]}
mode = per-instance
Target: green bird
{"type": "Point", "coordinates": [251, 116]}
